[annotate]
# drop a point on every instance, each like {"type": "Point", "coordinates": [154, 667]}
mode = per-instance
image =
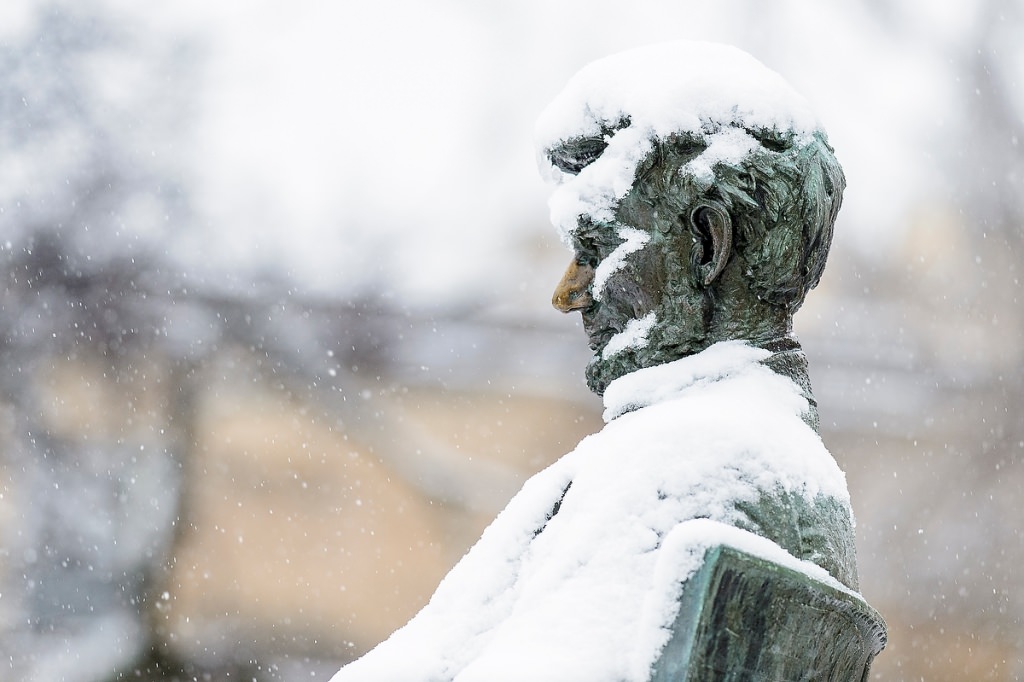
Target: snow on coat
{"type": "Point", "coordinates": [579, 576]}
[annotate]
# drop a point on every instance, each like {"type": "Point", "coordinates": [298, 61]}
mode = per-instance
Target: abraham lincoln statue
{"type": "Point", "coordinates": [705, 532]}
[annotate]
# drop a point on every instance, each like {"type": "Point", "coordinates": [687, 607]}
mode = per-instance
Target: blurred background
{"type": "Point", "coordinates": [276, 341]}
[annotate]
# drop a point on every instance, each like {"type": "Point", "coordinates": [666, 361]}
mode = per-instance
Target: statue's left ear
{"type": "Point", "coordinates": [712, 230]}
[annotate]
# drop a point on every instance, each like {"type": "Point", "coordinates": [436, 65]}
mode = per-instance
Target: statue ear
{"type": "Point", "coordinates": [712, 230]}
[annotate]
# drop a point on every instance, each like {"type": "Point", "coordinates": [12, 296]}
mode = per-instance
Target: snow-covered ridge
{"type": "Point", "coordinates": [632, 240]}
{"type": "Point", "coordinates": [707, 90]}
{"type": "Point", "coordinates": [654, 384]}
{"type": "Point", "coordinates": [633, 336]}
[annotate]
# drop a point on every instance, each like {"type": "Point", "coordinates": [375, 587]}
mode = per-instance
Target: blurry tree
{"type": "Point", "coordinates": [90, 112]}
{"type": "Point", "coordinates": [945, 314]}
{"type": "Point", "coordinates": [104, 340]}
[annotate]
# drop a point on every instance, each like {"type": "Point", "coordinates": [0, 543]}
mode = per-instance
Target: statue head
{"type": "Point", "coordinates": [698, 194]}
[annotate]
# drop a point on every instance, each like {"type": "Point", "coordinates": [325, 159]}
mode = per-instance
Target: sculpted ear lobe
{"type": "Point", "coordinates": [712, 230]}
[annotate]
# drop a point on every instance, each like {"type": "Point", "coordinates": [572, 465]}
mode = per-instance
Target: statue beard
{"type": "Point", "coordinates": [682, 329]}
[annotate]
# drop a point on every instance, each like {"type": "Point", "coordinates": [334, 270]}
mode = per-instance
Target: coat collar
{"type": "Point", "coordinates": [652, 385]}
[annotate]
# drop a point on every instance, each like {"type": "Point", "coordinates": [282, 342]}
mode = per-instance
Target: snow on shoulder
{"type": "Point", "coordinates": [661, 382]}
{"type": "Point", "coordinates": [712, 92]}
{"type": "Point", "coordinates": [579, 577]}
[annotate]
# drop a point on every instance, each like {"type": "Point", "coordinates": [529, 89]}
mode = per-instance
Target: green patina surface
{"type": "Point", "coordinates": [731, 256]}
{"type": "Point", "coordinates": [744, 619]}
{"type": "Point", "coordinates": [728, 257]}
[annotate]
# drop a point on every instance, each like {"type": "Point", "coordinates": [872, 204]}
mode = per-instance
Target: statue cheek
{"type": "Point", "coordinates": [633, 294]}
{"type": "Point", "coordinates": [650, 272]}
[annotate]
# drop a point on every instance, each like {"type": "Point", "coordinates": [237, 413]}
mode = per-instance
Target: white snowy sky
{"type": "Point", "coordinates": [390, 144]}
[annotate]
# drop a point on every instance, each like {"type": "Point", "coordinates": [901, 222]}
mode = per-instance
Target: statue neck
{"type": "Point", "coordinates": [738, 313]}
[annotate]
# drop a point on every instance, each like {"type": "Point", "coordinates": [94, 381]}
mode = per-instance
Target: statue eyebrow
{"type": "Point", "coordinates": [584, 247]}
{"type": "Point", "coordinates": [574, 155]}
{"type": "Point", "coordinates": [601, 241]}
{"type": "Point", "coordinates": [588, 235]}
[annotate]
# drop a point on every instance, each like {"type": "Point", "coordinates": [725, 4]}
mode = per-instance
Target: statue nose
{"type": "Point", "coordinates": [573, 292]}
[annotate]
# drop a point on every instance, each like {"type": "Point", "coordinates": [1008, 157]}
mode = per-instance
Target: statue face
{"type": "Point", "coordinates": [630, 280]}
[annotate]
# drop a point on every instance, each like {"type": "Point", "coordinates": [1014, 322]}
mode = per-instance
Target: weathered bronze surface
{"type": "Point", "coordinates": [728, 260]}
{"type": "Point", "coordinates": [731, 258]}
{"type": "Point", "coordinates": [744, 618]}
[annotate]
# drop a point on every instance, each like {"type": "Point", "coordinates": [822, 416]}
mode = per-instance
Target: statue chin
{"type": "Point", "coordinates": [667, 344]}
{"type": "Point", "coordinates": [601, 372]}
{"type": "Point", "coordinates": [599, 375]}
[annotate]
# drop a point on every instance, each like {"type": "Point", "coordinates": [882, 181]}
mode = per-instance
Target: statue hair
{"type": "Point", "coordinates": [783, 199]}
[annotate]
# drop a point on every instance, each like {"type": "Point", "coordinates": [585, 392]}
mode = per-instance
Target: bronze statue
{"type": "Point", "coordinates": [727, 260]}
{"type": "Point", "coordinates": [699, 198]}
{"type": "Point", "coordinates": [704, 284]}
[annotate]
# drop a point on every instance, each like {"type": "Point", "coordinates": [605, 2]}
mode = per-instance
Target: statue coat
{"type": "Point", "coordinates": [579, 576]}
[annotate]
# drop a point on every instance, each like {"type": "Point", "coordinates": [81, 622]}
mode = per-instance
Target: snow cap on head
{"type": "Point", "coordinates": [707, 90]}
